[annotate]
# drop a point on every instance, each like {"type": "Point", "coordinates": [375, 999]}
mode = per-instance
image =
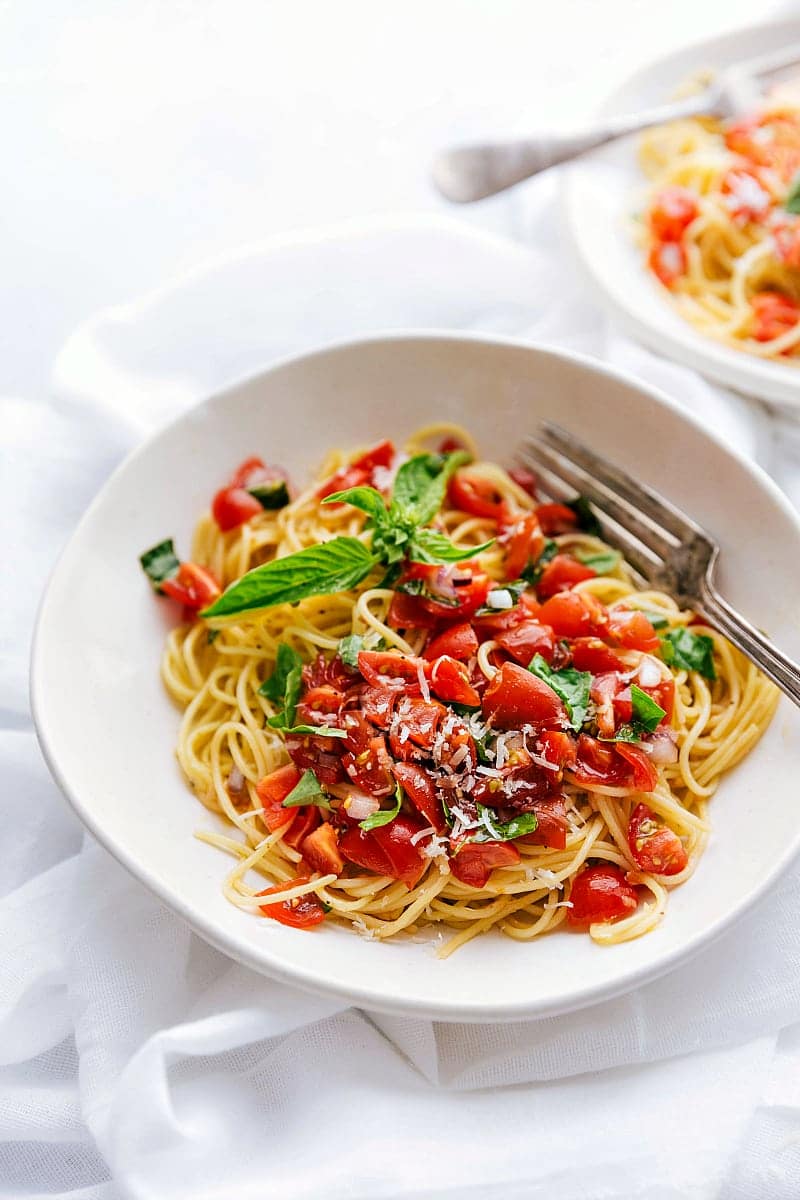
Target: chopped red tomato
{"type": "Point", "coordinates": [668, 262]}
{"type": "Point", "coordinates": [515, 697]}
{"type": "Point", "coordinates": [601, 893]}
{"type": "Point", "coordinates": [418, 786]}
{"type": "Point", "coordinates": [304, 912]}
{"type": "Point", "coordinates": [408, 612]}
{"type": "Point", "coordinates": [272, 791]}
{"type": "Point", "coordinates": [632, 630]}
{"type": "Point", "coordinates": [418, 724]}
{"type": "Point", "coordinates": [556, 518]}
{"type": "Point", "coordinates": [449, 445]}
{"type": "Point", "coordinates": [193, 586]}
{"type": "Point", "coordinates": [383, 668]}
{"type": "Point", "coordinates": [319, 706]}
{"type": "Point", "coordinates": [774, 314]}
{"type": "Point", "coordinates": [381, 455]}
{"type": "Point", "coordinates": [786, 233]}
{"type": "Point", "coordinates": [232, 506]}
{"type": "Point", "coordinates": [525, 542]}
{"type": "Point", "coordinates": [524, 479]}
{"type": "Point", "coordinates": [473, 862]}
{"type": "Point", "coordinates": [459, 641]}
{"type": "Point", "coordinates": [528, 639]}
{"type": "Point", "coordinates": [770, 139]}
{"type": "Point", "coordinates": [592, 654]}
{"type": "Point", "coordinates": [672, 210]}
{"type": "Point", "coordinates": [322, 672]}
{"type": "Point", "coordinates": [745, 196]}
{"type": "Point", "coordinates": [358, 472]}
{"type": "Point", "coordinates": [473, 493]}
{"type": "Point", "coordinates": [387, 850]}
{"type": "Point", "coordinates": [557, 748]}
{"type": "Point", "coordinates": [653, 846]}
{"type": "Point", "coordinates": [664, 695]}
{"type": "Point", "coordinates": [318, 754]}
{"type": "Point", "coordinates": [572, 614]}
{"type": "Point", "coordinates": [561, 574]}
{"type": "Point", "coordinates": [450, 682]}
{"type": "Point", "coordinates": [552, 825]}
{"type": "Point", "coordinates": [308, 819]}
{"type": "Point", "coordinates": [254, 472]}
{"type": "Point", "coordinates": [321, 850]}
{"type": "Point", "coordinates": [451, 592]}
{"type": "Point", "coordinates": [617, 764]}
{"type": "Point", "coordinates": [645, 775]}
{"type": "Point", "coordinates": [366, 759]}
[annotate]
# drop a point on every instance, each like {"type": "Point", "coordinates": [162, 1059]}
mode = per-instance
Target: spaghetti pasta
{"type": "Point", "coordinates": [565, 818]}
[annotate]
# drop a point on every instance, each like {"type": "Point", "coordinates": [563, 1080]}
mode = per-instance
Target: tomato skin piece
{"type": "Point", "coordinates": [555, 519]}
{"type": "Point", "coordinates": [450, 682]}
{"type": "Point", "coordinates": [320, 849]}
{"type": "Point", "coordinates": [193, 586]}
{"type": "Point", "coordinates": [408, 612]}
{"type": "Point", "coordinates": [528, 639]}
{"type": "Point", "coordinates": [473, 862]}
{"type": "Point", "coordinates": [774, 314]}
{"type": "Point", "coordinates": [561, 574]}
{"type": "Point", "coordinates": [304, 912]}
{"type": "Point", "coordinates": [553, 827]}
{"type": "Point", "coordinates": [668, 262]}
{"type": "Point", "coordinates": [459, 641]}
{"type": "Point", "coordinates": [384, 669]}
{"type": "Point", "coordinates": [308, 819]}
{"type": "Point", "coordinates": [645, 774]}
{"type": "Point", "coordinates": [672, 210]}
{"type": "Point", "coordinates": [387, 850]}
{"type": "Point", "coordinates": [473, 493]}
{"type": "Point", "coordinates": [232, 507]}
{"type": "Point", "coordinates": [515, 697]}
{"type": "Point", "coordinates": [558, 748]}
{"type": "Point", "coordinates": [654, 847]}
{"type": "Point", "coordinates": [632, 630]}
{"type": "Point", "coordinates": [601, 893]}
{"type": "Point", "coordinates": [572, 615]}
{"type": "Point", "coordinates": [272, 791]}
{"type": "Point", "coordinates": [418, 786]}
{"type": "Point", "coordinates": [525, 544]}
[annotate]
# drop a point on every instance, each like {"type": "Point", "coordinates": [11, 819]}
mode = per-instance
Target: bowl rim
{"type": "Point", "coordinates": [260, 959]}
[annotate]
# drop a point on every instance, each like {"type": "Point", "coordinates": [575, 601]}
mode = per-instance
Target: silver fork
{"type": "Point", "coordinates": [666, 549]}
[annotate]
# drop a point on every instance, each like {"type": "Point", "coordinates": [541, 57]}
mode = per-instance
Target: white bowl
{"type": "Point", "coordinates": [108, 729]}
{"type": "Point", "coordinates": [600, 193]}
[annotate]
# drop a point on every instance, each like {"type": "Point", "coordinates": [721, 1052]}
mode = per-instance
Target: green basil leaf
{"type": "Point", "coordinates": [420, 486]}
{"type": "Point", "coordinates": [317, 730]}
{"type": "Point", "coordinates": [607, 560]}
{"type": "Point", "coordinates": [646, 713]}
{"type": "Point", "coordinates": [430, 546]}
{"type": "Point", "coordinates": [625, 733]}
{"type": "Point", "coordinates": [284, 685]}
{"type": "Point", "coordinates": [272, 495]}
{"type": "Point", "coordinates": [307, 791]}
{"type": "Point", "coordinates": [792, 201]}
{"type": "Point", "coordinates": [506, 831]}
{"type": "Point", "coordinates": [691, 651]}
{"type": "Point", "coordinates": [655, 619]}
{"type": "Point", "coordinates": [160, 562]}
{"type": "Point", "coordinates": [570, 685]}
{"type": "Point", "coordinates": [533, 571]}
{"type": "Point", "coordinates": [334, 566]}
{"type": "Point", "coordinates": [583, 510]}
{"type": "Point", "coordinates": [348, 649]}
{"type": "Point", "coordinates": [368, 499]}
{"type": "Point", "coordinates": [384, 815]}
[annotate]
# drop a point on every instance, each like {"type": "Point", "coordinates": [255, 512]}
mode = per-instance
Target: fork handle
{"type": "Point", "coordinates": [776, 665]}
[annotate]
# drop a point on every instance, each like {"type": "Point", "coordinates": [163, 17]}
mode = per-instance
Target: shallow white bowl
{"type": "Point", "coordinates": [600, 194]}
{"type": "Point", "coordinates": [108, 729]}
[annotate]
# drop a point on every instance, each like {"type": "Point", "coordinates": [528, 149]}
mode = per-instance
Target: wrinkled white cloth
{"type": "Point", "coordinates": [139, 1062]}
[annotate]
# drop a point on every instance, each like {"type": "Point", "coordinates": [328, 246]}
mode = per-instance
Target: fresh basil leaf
{"type": "Point", "coordinates": [391, 577]}
{"type": "Point", "coordinates": [284, 686]}
{"type": "Point", "coordinates": [646, 713]}
{"type": "Point", "coordinates": [506, 831]}
{"type": "Point", "coordinates": [607, 560]}
{"type": "Point", "coordinates": [160, 562]}
{"type": "Point", "coordinates": [384, 815]}
{"type": "Point", "coordinates": [625, 733]}
{"type": "Point", "coordinates": [334, 566]}
{"type": "Point", "coordinates": [368, 499]}
{"type": "Point", "coordinates": [272, 495]}
{"type": "Point", "coordinates": [583, 510]}
{"type": "Point", "coordinates": [420, 486]}
{"type": "Point", "coordinates": [691, 651]}
{"type": "Point", "coordinates": [792, 201]}
{"type": "Point", "coordinates": [570, 685]}
{"type": "Point", "coordinates": [349, 648]}
{"type": "Point", "coordinates": [655, 619]}
{"type": "Point", "coordinates": [317, 730]}
{"type": "Point", "coordinates": [212, 636]}
{"type": "Point", "coordinates": [463, 710]}
{"type": "Point", "coordinates": [307, 791]}
{"type": "Point", "coordinates": [533, 571]}
{"type": "Point", "coordinates": [430, 546]}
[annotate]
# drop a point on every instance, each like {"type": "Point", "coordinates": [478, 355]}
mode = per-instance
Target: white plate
{"type": "Point", "coordinates": [108, 729]}
{"type": "Point", "coordinates": [600, 194]}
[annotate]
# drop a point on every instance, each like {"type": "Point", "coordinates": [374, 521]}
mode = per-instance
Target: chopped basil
{"type": "Point", "coordinates": [506, 831]}
{"type": "Point", "coordinates": [317, 730]}
{"type": "Point", "coordinates": [160, 562]}
{"type": "Point", "coordinates": [349, 648]}
{"type": "Point", "coordinates": [533, 572]}
{"type": "Point", "coordinates": [646, 713]}
{"type": "Point", "coordinates": [607, 560]}
{"type": "Point", "coordinates": [691, 651]}
{"type": "Point", "coordinates": [583, 510]}
{"type": "Point", "coordinates": [656, 619]}
{"type": "Point", "coordinates": [384, 815]}
{"type": "Point", "coordinates": [284, 685]}
{"type": "Point", "coordinates": [430, 546]}
{"type": "Point", "coordinates": [307, 791]}
{"type": "Point", "coordinates": [570, 685]}
{"type": "Point", "coordinates": [274, 494]}
{"type": "Point", "coordinates": [792, 201]}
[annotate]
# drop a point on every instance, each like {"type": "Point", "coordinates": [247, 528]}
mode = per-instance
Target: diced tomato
{"type": "Point", "coordinates": [617, 764]}
{"type": "Point", "coordinates": [672, 210]}
{"type": "Point", "coordinates": [418, 786]}
{"type": "Point", "coordinates": [304, 912]}
{"type": "Point", "coordinates": [449, 445]}
{"type": "Point", "coordinates": [381, 455]}
{"type": "Point", "coordinates": [645, 774]}
{"type": "Point", "coordinates": [193, 586]}
{"type": "Point", "coordinates": [473, 862]}
{"type": "Point", "coordinates": [745, 196]}
{"type": "Point", "coordinates": [557, 748]}
{"type": "Point", "coordinates": [319, 706]}
{"type": "Point", "coordinates": [450, 682]}
{"type": "Point", "coordinates": [526, 640]}
{"type": "Point", "coordinates": [774, 315]}
{"type": "Point", "coordinates": [515, 698]}
{"type": "Point", "coordinates": [387, 850]}
{"type": "Point", "coordinates": [632, 630]}
{"type": "Point", "coordinates": [254, 472]}
{"type": "Point", "coordinates": [786, 232]}
{"type": "Point", "coordinates": [572, 614]}
{"type": "Point", "coordinates": [561, 574]}
{"type": "Point", "coordinates": [318, 754]}
{"type": "Point", "coordinates": [601, 893]}
{"type": "Point", "coordinates": [552, 825]}
{"type": "Point", "coordinates": [653, 846]}
{"type": "Point", "coordinates": [272, 791]}
{"type": "Point", "coordinates": [366, 759]}
{"type": "Point", "coordinates": [359, 846]}
{"type": "Point", "coordinates": [408, 612]}
{"type": "Point", "coordinates": [321, 850]}
{"type": "Point", "coordinates": [525, 542]}
{"type": "Point", "coordinates": [592, 654]}
{"type": "Point", "coordinates": [384, 668]}
{"type": "Point", "coordinates": [556, 518]}
{"type": "Point", "coordinates": [452, 592]}
{"type": "Point", "coordinates": [378, 703]}
{"type": "Point", "coordinates": [419, 722]}
{"type": "Point", "coordinates": [342, 481]}
{"type": "Point", "coordinates": [668, 262]}
{"type": "Point", "coordinates": [232, 506]}
{"type": "Point", "coordinates": [331, 673]}
{"type": "Point", "coordinates": [473, 493]}
{"type": "Point", "coordinates": [770, 139]}
{"type": "Point", "coordinates": [458, 736]}
{"type": "Point", "coordinates": [308, 818]}
{"type": "Point", "coordinates": [524, 479]}
{"type": "Point", "coordinates": [459, 641]}
{"type": "Point", "coordinates": [664, 695]}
